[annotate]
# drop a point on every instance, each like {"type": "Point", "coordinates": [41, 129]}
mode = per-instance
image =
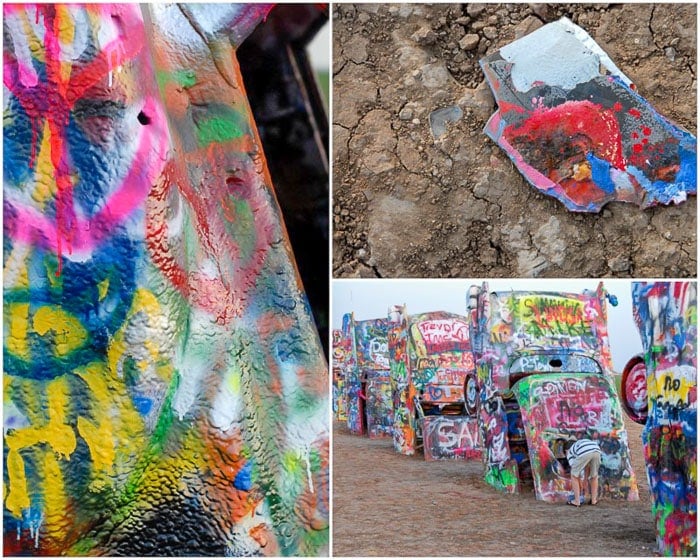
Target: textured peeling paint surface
{"type": "Point", "coordinates": [666, 316]}
{"type": "Point", "coordinates": [430, 359]}
{"type": "Point", "coordinates": [545, 374]}
{"type": "Point", "coordinates": [581, 134]}
{"type": "Point", "coordinates": [165, 392]}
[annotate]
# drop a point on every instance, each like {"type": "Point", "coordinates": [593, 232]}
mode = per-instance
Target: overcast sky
{"type": "Point", "coordinates": [320, 48]}
{"type": "Point", "coordinates": [370, 299]}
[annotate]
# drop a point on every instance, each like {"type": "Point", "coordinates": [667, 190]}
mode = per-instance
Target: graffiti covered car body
{"type": "Point", "coordinates": [430, 360]}
{"type": "Point", "coordinates": [367, 387]}
{"type": "Point", "coordinates": [660, 391]}
{"type": "Point", "coordinates": [544, 377]}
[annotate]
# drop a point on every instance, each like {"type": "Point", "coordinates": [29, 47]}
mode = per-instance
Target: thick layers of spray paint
{"type": "Point", "coordinates": [558, 407]}
{"type": "Point", "coordinates": [367, 392]}
{"type": "Point", "coordinates": [372, 353]}
{"type": "Point", "coordinates": [580, 133]}
{"type": "Point", "coordinates": [403, 431]}
{"type": "Point", "coordinates": [165, 389]}
{"type": "Point", "coordinates": [342, 356]}
{"type": "Point", "coordinates": [353, 396]}
{"type": "Point", "coordinates": [666, 315]}
{"type": "Point", "coordinates": [544, 377]}
{"type": "Point", "coordinates": [431, 359]}
{"type": "Point", "coordinates": [450, 437]}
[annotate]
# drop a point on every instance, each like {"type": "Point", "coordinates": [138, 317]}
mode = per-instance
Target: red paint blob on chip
{"type": "Point", "coordinates": [582, 124]}
{"type": "Point", "coordinates": [637, 148]}
{"type": "Point", "coordinates": [646, 130]}
{"type": "Point", "coordinates": [635, 113]}
{"type": "Point", "coordinates": [617, 106]}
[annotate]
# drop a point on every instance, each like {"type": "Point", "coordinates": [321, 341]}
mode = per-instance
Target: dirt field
{"type": "Point", "coordinates": [406, 205]}
{"type": "Point", "coordinates": [386, 504]}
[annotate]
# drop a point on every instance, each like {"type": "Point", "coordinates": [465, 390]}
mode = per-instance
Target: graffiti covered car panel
{"type": "Point", "coordinates": [352, 394]}
{"type": "Point", "coordinates": [666, 316]}
{"type": "Point", "coordinates": [379, 404]}
{"type": "Point", "coordinates": [367, 386]}
{"type": "Point", "coordinates": [559, 406]}
{"type": "Point", "coordinates": [522, 342]}
{"type": "Point", "coordinates": [431, 359]}
{"type": "Point", "coordinates": [342, 355]}
{"type": "Point", "coordinates": [450, 437]}
{"type": "Point", "coordinates": [372, 351]}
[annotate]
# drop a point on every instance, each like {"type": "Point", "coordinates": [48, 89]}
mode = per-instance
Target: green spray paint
{"type": "Point", "coordinates": [217, 129]}
{"type": "Point", "coordinates": [183, 78]}
{"type": "Point", "coordinates": [242, 224]}
{"type": "Point", "coordinates": [503, 479]}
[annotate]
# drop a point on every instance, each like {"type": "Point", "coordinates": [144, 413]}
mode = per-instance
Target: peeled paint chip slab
{"type": "Point", "coordinates": [576, 127]}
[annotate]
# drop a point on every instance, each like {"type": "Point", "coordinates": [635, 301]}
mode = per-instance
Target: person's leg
{"type": "Point", "coordinates": [594, 489]}
{"type": "Point", "coordinates": [593, 478]}
{"type": "Point", "coordinates": [575, 485]}
{"type": "Point", "coordinates": [577, 473]}
{"type": "Point", "coordinates": [584, 482]}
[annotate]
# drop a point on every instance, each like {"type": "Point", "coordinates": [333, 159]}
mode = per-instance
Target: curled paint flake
{"type": "Point", "coordinates": [571, 122]}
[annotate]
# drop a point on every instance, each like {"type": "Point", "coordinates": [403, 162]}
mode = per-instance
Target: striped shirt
{"type": "Point", "coordinates": [581, 447]}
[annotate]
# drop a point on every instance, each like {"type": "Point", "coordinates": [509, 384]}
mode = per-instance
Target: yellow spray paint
{"type": "Point", "coordinates": [70, 333]}
{"type": "Point", "coordinates": [55, 433]}
{"type": "Point", "coordinates": [672, 386]}
{"type": "Point", "coordinates": [16, 337]}
{"type": "Point", "coordinates": [111, 409]}
{"type": "Point", "coordinates": [55, 501]}
{"type": "Point", "coordinates": [103, 288]}
{"type": "Point", "coordinates": [66, 35]}
{"type": "Point", "coordinates": [45, 179]}
{"type": "Point", "coordinates": [99, 434]}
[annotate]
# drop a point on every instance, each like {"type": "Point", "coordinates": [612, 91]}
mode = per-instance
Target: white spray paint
{"type": "Point", "coordinates": [558, 54]}
{"type": "Point", "coordinates": [306, 453]}
{"type": "Point", "coordinates": [228, 406]}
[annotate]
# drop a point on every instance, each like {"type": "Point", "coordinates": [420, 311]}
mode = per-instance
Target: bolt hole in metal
{"type": "Point", "coordinates": [143, 118]}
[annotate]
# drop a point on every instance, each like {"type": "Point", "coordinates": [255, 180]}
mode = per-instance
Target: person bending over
{"type": "Point", "coordinates": [584, 458]}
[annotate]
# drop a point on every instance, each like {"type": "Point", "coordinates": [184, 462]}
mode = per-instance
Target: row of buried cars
{"type": "Point", "coordinates": [522, 374]}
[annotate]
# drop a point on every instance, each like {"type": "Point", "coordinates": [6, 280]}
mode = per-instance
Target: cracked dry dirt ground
{"type": "Point", "coordinates": [386, 504]}
{"type": "Point", "coordinates": [408, 206]}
